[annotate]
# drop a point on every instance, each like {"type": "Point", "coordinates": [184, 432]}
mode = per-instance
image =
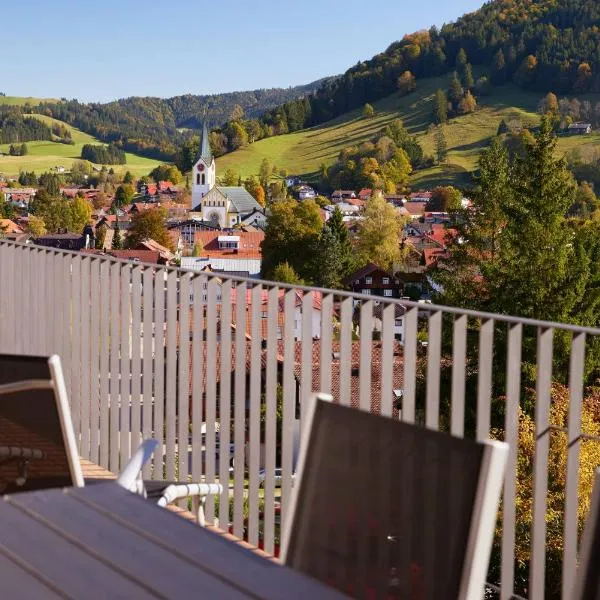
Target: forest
{"type": "Point", "coordinates": [540, 46]}
{"type": "Point", "coordinates": [103, 155]}
{"type": "Point", "coordinates": [15, 127]}
{"type": "Point", "coordinates": [156, 127]}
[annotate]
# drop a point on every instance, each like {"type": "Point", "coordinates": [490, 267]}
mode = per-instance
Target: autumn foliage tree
{"type": "Point", "coordinates": [406, 83]}
{"type": "Point", "coordinates": [379, 234]}
{"type": "Point", "coordinates": [557, 468]}
{"type": "Point", "coordinates": [149, 224]}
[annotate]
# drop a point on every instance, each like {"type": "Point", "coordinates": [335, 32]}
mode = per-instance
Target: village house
{"type": "Point", "coordinates": [341, 195]}
{"type": "Point", "coordinates": [187, 230]}
{"type": "Point", "coordinates": [19, 197]}
{"type": "Point", "coordinates": [420, 196]}
{"type": "Point", "coordinates": [373, 281]}
{"type": "Point", "coordinates": [7, 226]}
{"type": "Point", "coordinates": [365, 194]}
{"type": "Point", "coordinates": [305, 192]}
{"type": "Point", "coordinates": [579, 129]}
{"type": "Point", "coordinates": [65, 241]}
{"type": "Point", "coordinates": [257, 218]}
{"type": "Point", "coordinates": [234, 252]}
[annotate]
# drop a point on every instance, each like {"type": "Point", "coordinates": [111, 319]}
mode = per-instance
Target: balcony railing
{"type": "Point", "coordinates": [219, 368]}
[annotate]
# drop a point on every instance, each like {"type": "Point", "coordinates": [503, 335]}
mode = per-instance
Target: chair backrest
{"type": "Point", "coordinates": [587, 585]}
{"type": "Point", "coordinates": [37, 442]}
{"type": "Point", "coordinates": [385, 509]}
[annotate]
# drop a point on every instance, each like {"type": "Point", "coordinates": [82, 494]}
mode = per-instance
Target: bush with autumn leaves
{"type": "Point", "coordinates": [589, 460]}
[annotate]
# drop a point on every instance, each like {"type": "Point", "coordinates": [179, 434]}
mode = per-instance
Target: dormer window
{"type": "Point", "coordinates": [368, 280]}
{"type": "Point", "coordinates": [229, 242]}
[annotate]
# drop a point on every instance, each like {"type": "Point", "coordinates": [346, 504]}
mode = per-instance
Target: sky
{"type": "Point", "coordinates": [101, 51]}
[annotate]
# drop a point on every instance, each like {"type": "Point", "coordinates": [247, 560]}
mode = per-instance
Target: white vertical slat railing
{"type": "Point", "coordinates": [146, 348]}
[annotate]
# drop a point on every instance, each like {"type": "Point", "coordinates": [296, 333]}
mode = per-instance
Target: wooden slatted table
{"type": "Point", "coordinates": [101, 541]}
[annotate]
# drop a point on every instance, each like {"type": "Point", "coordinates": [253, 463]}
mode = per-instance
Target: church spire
{"type": "Point", "coordinates": [205, 152]}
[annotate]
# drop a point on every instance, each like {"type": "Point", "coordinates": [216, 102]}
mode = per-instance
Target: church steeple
{"type": "Point", "coordinates": [204, 175]}
{"type": "Point", "coordinates": [205, 152]}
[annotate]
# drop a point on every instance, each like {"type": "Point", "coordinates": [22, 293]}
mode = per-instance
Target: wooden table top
{"type": "Point", "coordinates": [101, 541]}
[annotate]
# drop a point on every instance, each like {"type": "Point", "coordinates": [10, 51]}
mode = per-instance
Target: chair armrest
{"type": "Point", "coordinates": [130, 474]}
{"type": "Point", "coordinates": [177, 491]}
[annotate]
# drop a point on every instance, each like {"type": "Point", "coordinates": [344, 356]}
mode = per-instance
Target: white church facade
{"type": "Point", "coordinates": [225, 207]}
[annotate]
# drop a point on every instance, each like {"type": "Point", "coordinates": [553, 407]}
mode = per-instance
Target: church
{"type": "Point", "coordinates": [225, 207]}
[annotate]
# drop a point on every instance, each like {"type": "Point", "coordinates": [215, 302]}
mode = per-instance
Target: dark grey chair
{"type": "Point", "coordinates": [587, 585]}
{"type": "Point", "coordinates": [383, 509]}
{"type": "Point", "coordinates": [38, 448]}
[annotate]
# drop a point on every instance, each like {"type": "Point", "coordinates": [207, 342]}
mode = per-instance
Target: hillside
{"type": "Point", "coordinates": [303, 152]}
{"type": "Point", "coordinates": [45, 155]}
{"type": "Point", "coordinates": [23, 100]}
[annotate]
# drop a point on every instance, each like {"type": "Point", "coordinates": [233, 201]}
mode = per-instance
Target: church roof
{"type": "Point", "coordinates": [205, 151]}
{"type": "Point", "coordinates": [243, 202]}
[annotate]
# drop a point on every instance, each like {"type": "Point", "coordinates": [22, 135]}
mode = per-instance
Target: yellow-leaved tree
{"type": "Point", "coordinates": [380, 233]}
{"type": "Point", "coordinates": [589, 461]}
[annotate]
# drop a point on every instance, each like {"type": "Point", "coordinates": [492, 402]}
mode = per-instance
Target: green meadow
{"type": "Point", "coordinates": [303, 152]}
{"type": "Point", "coordinates": [45, 155]}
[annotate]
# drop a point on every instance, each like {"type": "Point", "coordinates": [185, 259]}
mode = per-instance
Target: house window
{"type": "Point", "coordinates": [385, 281]}
{"type": "Point", "coordinates": [265, 314]}
{"type": "Point", "coordinates": [367, 292]}
{"type": "Point", "coordinates": [388, 293]}
{"type": "Point", "coordinates": [203, 179]}
{"type": "Point", "coordinates": [368, 280]}
{"type": "Point", "coordinates": [198, 179]}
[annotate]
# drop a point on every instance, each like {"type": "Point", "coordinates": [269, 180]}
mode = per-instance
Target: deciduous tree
{"type": "Point", "coordinates": [379, 233]}
{"type": "Point", "coordinates": [149, 224]}
{"type": "Point", "coordinates": [285, 273]}
{"type": "Point", "coordinates": [290, 234]}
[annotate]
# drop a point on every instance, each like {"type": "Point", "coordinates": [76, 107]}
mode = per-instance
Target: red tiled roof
{"type": "Point", "coordinates": [442, 236]}
{"type": "Point", "coordinates": [416, 209]}
{"type": "Point", "coordinates": [432, 255]}
{"type": "Point", "coordinates": [249, 245]}
{"type": "Point", "coordinates": [145, 256]}
{"type": "Point", "coordinates": [165, 186]}
{"type": "Point", "coordinates": [8, 226]}
{"type": "Point", "coordinates": [352, 363]}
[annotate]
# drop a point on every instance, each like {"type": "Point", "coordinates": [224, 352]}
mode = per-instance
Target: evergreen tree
{"type": "Point", "coordinates": [498, 76]}
{"type": "Point", "coordinates": [117, 241]}
{"type": "Point", "coordinates": [326, 260]}
{"type": "Point", "coordinates": [440, 107]}
{"type": "Point", "coordinates": [466, 77]}
{"type": "Point", "coordinates": [340, 231]}
{"type": "Point", "coordinates": [502, 128]}
{"type": "Point", "coordinates": [461, 60]}
{"type": "Point", "coordinates": [455, 91]}
{"type": "Point", "coordinates": [441, 146]}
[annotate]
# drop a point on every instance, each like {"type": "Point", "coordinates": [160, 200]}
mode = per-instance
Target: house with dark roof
{"type": "Point", "coordinates": [64, 241]}
{"type": "Point", "coordinates": [373, 281]}
{"type": "Point", "coordinates": [579, 129]}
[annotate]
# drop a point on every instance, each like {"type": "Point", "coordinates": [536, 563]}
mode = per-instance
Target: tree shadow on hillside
{"type": "Point", "coordinates": [476, 145]}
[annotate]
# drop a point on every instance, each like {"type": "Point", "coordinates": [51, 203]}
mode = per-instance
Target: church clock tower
{"type": "Point", "coordinates": [204, 171]}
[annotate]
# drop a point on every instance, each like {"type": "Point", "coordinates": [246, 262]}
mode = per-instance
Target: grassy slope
{"type": "Point", "coordinates": [44, 155]}
{"type": "Point", "coordinates": [22, 100]}
{"type": "Point", "coordinates": [303, 152]}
